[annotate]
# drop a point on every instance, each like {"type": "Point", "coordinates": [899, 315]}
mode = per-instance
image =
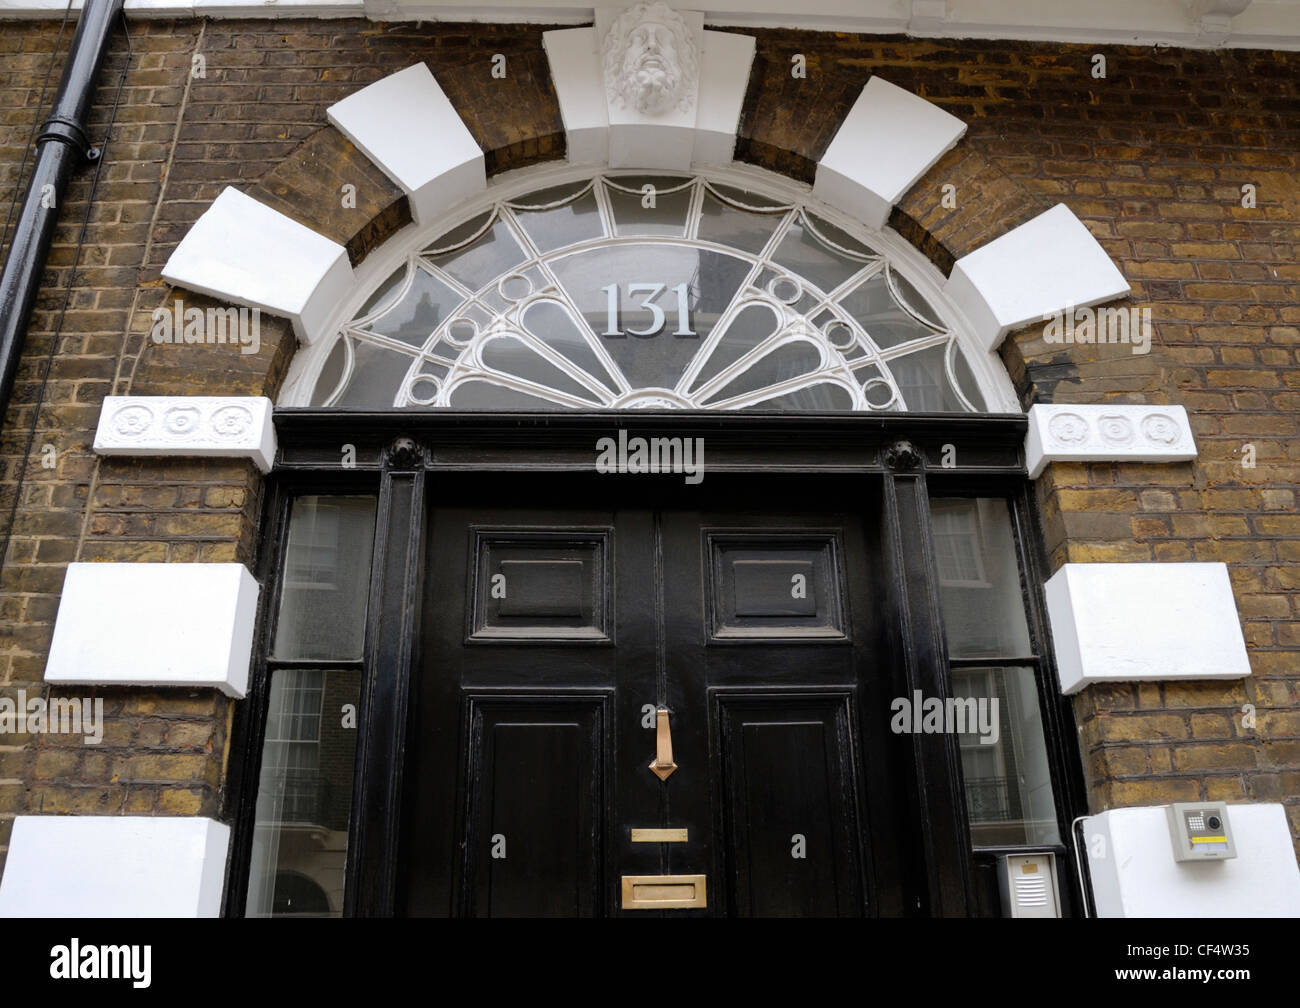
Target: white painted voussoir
{"type": "Point", "coordinates": [155, 624]}
{"type": "Point", "coordinates": [724, 78]}
{"type": "Point", "coordinates": [202, 426]}
{"type": "Point", "coordinates": [1048, 265]}
{"type": "Point", "coordinates": [579, 89]}
{"type": "Point", "coordinates": [408, 127]}
{"type": "Point", "coordinates": [114, 866]}
{"type": "Point", "coordinates": [889, 139]}
{"type": "Point", "coordinates": [1143, 622]}
{"type": "Point", "coordinates": [1106, 433]}
{"type": "Point", "coordinates": [244, 252]}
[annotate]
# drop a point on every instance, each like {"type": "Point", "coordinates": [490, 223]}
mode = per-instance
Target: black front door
{"type": "Point", "coordinates": [636, 696]}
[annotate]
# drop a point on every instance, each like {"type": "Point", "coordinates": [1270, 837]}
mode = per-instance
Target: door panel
{"type": "Point", "coordinates": [551, 636]}
{"type": "Point", "coordinates": [535, 782]}
{"type": "Point", "coordinates": [789, 807]}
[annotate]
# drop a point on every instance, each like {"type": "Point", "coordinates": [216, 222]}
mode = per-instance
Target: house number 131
{"type": "Point", "coordinates": [657, 319]}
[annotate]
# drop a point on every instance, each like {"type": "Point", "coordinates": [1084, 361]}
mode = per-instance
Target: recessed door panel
{"type": "Point", "coordinates": [788, 765]}
{"type": "Point", "coordinates": [535, 786]}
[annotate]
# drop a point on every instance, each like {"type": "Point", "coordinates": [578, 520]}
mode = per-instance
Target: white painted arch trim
{"type": "Point", "coordinates": [887, 142]}
{"type": "Point", "coordinates": [155, 624]}
{"type": "Point", "coordinates": [1107, 433]}
{"type": "Point", "coordinates": [245, 252]}
{"type": "Point", "coordinates": [248, 253]}
{"type": "Point", "coordinates": [114, 866]}
{"type": "Point", "coordinates": [1144, 622]}
{"type": "Point", "coordinates": [1048, 265]}
{"type": "Point", "coordinates": [989, 371]}
{"type": "Point", "coordinates": [407, 126]}
{"type": "Point", "coordinates": [181, 426]}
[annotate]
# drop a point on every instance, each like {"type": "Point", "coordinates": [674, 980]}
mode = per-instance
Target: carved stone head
{"type": "Point", "coordinates": [650, 58]}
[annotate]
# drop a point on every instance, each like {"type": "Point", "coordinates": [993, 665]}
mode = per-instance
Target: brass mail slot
{"type": "Point", "coordinates": [659, 835]}
{"type": "Point", "coordinates": [663, 892]}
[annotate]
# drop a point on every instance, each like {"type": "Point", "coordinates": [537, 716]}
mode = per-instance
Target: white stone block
{"type": "Point", "coordinates": [205, 426]}
{"type": "Point", "coordinates": [1134, 874]}
{"type": "Point", "coordinates": [114, 866]}
{"type": "Point", "coordinates": [155, 624]}
{"type": "Point", "coordinates": [1134, 622]}
{"type": "Point", "coordinates": [1047, 265]}
{"type": "Point", "coordinates": [724, 78]}
{"type": "Point", "coordinates": [408, 127]}
{"type": "Point", "coordinates": [1107, 433]}
{"type": "Point", "coordinates": [577, 78]}
{"type": "Point", "coordinates": [242, 251]}
{"type": "Point", "coordinates": [889, 139]}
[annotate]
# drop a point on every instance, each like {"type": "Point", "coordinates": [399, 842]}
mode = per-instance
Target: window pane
{"type": "Point", "coordinates": [635, 213]}
{"type": "Point", "coordinates": [742, 229]}
{"type": "Point", "coordinates": [563, 225]}
{"type": "Point", "coordinates": [1004, 758]}
{"type": "Point", "coordinates": [979, 578]}
{"type": "Point", "coordinates": [304, 795]}
{"type": "Point", "coordinates": [326, 578]}
{"type": "Point", "coordinates": [419, 312]}
{"type": "Point", "coordinates": [377, 373]}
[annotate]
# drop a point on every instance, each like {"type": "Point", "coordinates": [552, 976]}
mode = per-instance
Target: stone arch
{"type": "Point", "coordinates": [301, 197]}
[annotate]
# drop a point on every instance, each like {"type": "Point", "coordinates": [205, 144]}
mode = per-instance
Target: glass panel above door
{"type": "Point", "coordinates": [326, 579]}
{"type": "Point", "coordinates": [656, 283]}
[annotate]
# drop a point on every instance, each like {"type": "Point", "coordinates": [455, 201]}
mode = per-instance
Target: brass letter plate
{"type": "Point", "coordinates": [659, 835]}
{"type": "Point", "coordinates": [663, 892]}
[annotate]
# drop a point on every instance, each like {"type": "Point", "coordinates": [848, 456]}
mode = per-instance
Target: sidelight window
{"type": "Point", "coordinates": [1005, 767]}
{"type": "Point", "coordinates": [304, 794]}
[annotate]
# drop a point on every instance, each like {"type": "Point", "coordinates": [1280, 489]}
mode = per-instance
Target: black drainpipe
{"type": "Point", "coordinates": [61, 147]}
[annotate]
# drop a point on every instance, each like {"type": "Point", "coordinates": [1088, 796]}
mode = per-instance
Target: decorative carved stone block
{"type": "Point", "coordinates": [1107, 433]}
{"type": "Point", "coordinates": [210, 426]}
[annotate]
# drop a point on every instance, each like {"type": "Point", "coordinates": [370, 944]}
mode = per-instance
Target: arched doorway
{"type": "Point", "coordinates": [605, 498]}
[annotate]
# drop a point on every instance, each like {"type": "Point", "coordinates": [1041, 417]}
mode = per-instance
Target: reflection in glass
{"type": "Point", "coordinates": [1003, 751]}
{"type": "Point", "coordinates": [483, 260]}
{"type": "Point", "coordinates": [979, 578]}
{"type": "Point", "coordinates": [419, 311]}
{"type": "Point", "coordinates": [377, 373]}
{"type": "Point", "coordinates": [873, 306]}
{"type": "Point", "coordinates": [326, 578]}
{"type": "Point", "coordinates": [1004, 760]}
{"type": "Point", "coordinates": [304, 795]}
{"type": "Point", "coordinates": [922, 378]}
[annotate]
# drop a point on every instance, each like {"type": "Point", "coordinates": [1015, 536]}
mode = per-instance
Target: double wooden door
{"type": "Point", "coordinates": [635, 696]}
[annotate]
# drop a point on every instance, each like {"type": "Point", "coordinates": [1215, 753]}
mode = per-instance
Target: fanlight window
{"type": "Point", "coordinates": [647, 291]}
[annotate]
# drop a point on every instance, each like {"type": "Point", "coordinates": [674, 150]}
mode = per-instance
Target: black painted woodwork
{"type": "Point", "coordinates": [764, 473]}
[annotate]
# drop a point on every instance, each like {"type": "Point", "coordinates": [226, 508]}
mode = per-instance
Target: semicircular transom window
{"type": "Point", "coordinates": [631, 291]}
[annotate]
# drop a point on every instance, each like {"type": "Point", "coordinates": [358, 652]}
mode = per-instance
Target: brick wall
{"type": "Point", "coordinates": [1152, 158]}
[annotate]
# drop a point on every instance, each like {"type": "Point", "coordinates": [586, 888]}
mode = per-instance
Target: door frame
{"type": "Point", "coordinates": [410, 458]}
